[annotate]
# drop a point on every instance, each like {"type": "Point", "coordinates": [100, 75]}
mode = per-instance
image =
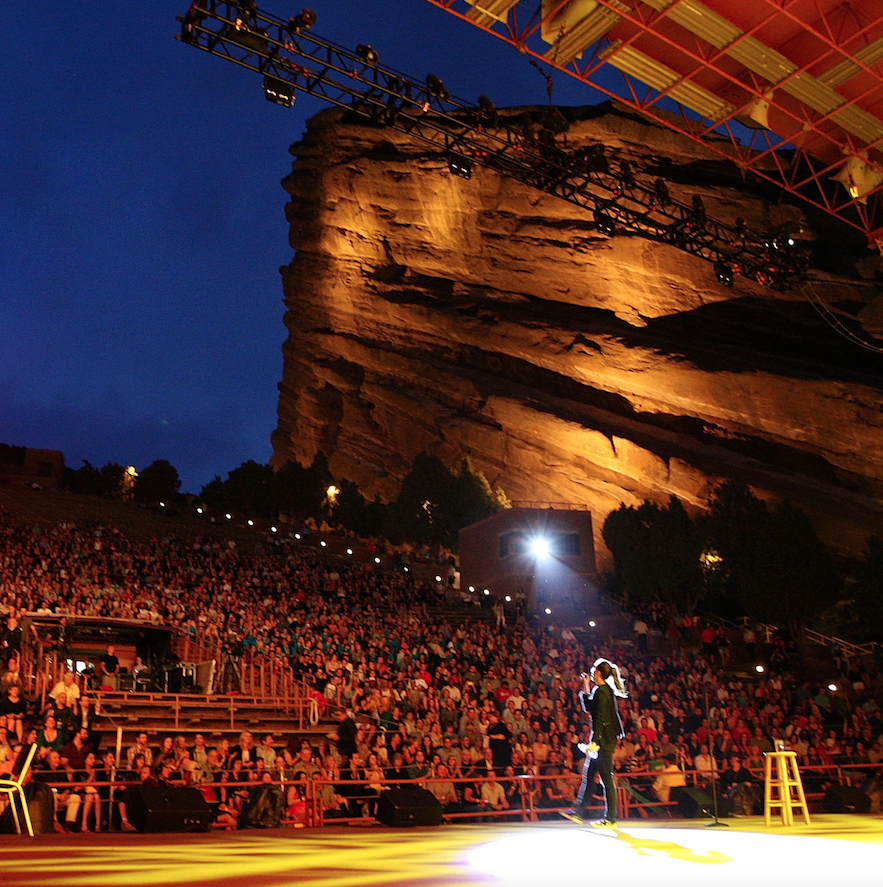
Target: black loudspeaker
{"type": "Point", "coordinates": [167, 809]}
{"type": "Point", "coordinates": [694, 803]}
{"type": "Point", "coordinates": [845, 799]}
{"type": "Point", "coordinates": [409, 805]}
{"type": "Point", "coordinates": [41, 807]}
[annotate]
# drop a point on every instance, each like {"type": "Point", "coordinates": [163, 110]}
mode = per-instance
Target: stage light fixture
{"type": "Point", "coordinates": [724, 273]}
{"type": "Point", "coordinates": [280, 92]}
{"type": "Point", "coordinates": [539, 548]}
{"type": "Point", "coordinates": [755, 115]}
{"type": "Point", "coordinates": [437, 88]}
{"type": "Point", "coordinates": [304, 19]}
{"type": "Point", "coordinates": [368, 55]}
{"type": "Point", "coordinates": [626, 176]}
{"type": "Point", "coordinates": [604, 223]}
{"type": "Point", "coordinates": [859, 177]}
{"type": "Point", "coordinates": [460, 166]}
{"type": "Point", "coordinates": [488, 110]}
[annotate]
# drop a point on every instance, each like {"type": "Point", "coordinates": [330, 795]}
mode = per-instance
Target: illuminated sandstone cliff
{"type": "Point", "coordinates": [482, 317]}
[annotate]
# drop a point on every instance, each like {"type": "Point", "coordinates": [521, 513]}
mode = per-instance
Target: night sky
{"type": "Point", "coordinates": [143, 221]}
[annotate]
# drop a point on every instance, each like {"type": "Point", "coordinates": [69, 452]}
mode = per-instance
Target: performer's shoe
{"type": "Point", "coordinates": [603, 823]}
{"type": "Point", "coordinates": [572, 815]}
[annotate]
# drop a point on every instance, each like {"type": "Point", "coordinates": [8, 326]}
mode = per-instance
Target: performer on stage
{"type": "Point", "coordinates": [600, 702]}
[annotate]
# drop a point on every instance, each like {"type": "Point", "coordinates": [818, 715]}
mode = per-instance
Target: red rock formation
{"type": "Point", "coordinates": [482, 317]}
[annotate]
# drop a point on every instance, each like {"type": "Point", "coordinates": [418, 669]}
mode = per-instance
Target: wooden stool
{"type": "Point", "coordinates": [783, 788]}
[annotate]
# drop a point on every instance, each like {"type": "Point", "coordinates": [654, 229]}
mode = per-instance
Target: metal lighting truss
{"type": "Point", "coordinates": [803, 75]}
{"type": "Point", "coordinates": [621, 199]}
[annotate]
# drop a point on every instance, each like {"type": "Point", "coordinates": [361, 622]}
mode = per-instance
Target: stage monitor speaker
{"type": "Point", "coordinates": [167, 809]}
{"type": "Point", "coordinates": [41, 807]}
{"type": "Point", "coordinates": [846, 799]}
{"type": "Point", "coordinates": [694, 803]}
{"type": "Point", "coordinates": [407, 806]}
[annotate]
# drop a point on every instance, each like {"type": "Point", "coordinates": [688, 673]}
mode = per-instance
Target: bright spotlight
{"type": "Point", "coordinates": [376, 560]}
{"type": "Point", "coordinates": [349, 551]}
{"type": "Point", "coordinates": [508, 599]}
{"type": "Point", "coordinates": [832, 688]}
{"type": "Point", "coordinates": [199, 511]}
{"type": "Point", "coordinates": [272, 529]}
{"type": "Point", "coordinates": [297, 535]}
{"type": "Point", "coordinates": [548, 611]}
{"type": "Point", "coordinates": [438, 578]}
{"type": "Point", "coordinates": [759, 669]}
{"type": "Point", "coordinates": [323, 543]}
{"type": "Point", "coordinates": [592, 623]}
{"type": "Point", "coordinates": [472, 588]}
{"type": "Point", "coordinates": [229, 516]}
{"type": "Point", "coordinates": [539, 547]}
{"type": "Point", "coordinates": [162, 504]}
{"type": "Point", "coordinates": [487, 591]}
{"type": "Point", "coordinates": [250, 522]}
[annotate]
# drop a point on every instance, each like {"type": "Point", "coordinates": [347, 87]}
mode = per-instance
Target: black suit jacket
{"type": "Point", "coordinates": [601, 705]}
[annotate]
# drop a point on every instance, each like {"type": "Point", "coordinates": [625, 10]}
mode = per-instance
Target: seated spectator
{"type": "Point", "coordinates": [199, 752]}
{"type": "Point", "coordinates": [49, 739]}
{"type": "Point", "coordinates": [493, 795]}
{"type": "Point", "coordinates": [331, 802]}
{"type": "Point", "coordinates": [12, 710]}
{"type": "Point", "coordinates": [108, 798]}
{"type": "Point", "coordinates": [739, 788]}
{"type": "Point", "coordinates": [443, 789]}
{"type": "Point", "coordinates": [86, 777]}
{"type": "Point", "coordinates": [88, 717]}
{"type": "Point", "coordinates": [51, 770]}
{"type": "Point", "coordinates": [555, 792]}
{"type": "Point", "coordinates": [74, 753]}
{"type": "Point", "coordinates": [139, 748]}
{"type": "Point", "coordinates": [245, 751]}
{"type": "Point", "coordinates": [68, 686]}
{"type": "Point", "coordinates": [304, 764]}
{"type": "Point", "coordinates": [166, 752]}
{"type": "Point", "coordinates": [266, 752]}
{"type": "Point", "coordinates": [669, 777]}
{"type": "Point", "coordinates": [10, 674]}
{"type": "Point", "coordinates": [64, 714]}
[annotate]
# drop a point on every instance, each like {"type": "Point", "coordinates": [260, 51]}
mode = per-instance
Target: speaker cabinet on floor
{"type": "Point", "coordinates": [694, 803]}
{"type": "Point", "coordinates": [167, 809]}
{"type": "Point", "coordinates": [409, 805]}
{"type": "Point", "coordinates": [845, 799]}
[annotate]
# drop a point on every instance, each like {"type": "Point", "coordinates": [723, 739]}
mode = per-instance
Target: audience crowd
{"type": "Point", "coordinates": [419, 686]}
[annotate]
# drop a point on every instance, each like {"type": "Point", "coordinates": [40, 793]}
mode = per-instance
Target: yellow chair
{"type": "Point", "coordinates": [14, 786]}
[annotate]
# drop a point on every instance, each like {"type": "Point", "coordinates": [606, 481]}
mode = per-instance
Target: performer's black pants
{"type": "Point", "coordinates": [603, 766]}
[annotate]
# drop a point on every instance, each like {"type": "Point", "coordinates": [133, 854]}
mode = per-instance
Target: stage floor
{"type": "Point", "coordinates": [743, 853]}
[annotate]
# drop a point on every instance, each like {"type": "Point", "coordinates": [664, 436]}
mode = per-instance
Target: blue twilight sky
{"type": "Point", "coordinates": [143, 221]}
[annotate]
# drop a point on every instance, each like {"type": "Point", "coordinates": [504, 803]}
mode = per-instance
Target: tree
{"type": "Point", "coordinates": [656, 553]}
{"type": "Point", "coordinates": [213, 493]}
{"type": "Point", "coordinates": [86, 479]}
{"type": "Point", "coordinates": [415, 515]}
{"type": "Point", "coordinates": [116, 482]}
{"type": "Point", "coordinates": [158, 482]}
{"type": "Point", "coordinates": [767, 562]}
{"type": "Point", "coordinates": [249, 489]}
{"type": "Point", "coordinates": [435, 503]}
{"type": "Point", "coordinates": [348, 508]}
{"type": "Point", "coordinates": [859, 615]}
